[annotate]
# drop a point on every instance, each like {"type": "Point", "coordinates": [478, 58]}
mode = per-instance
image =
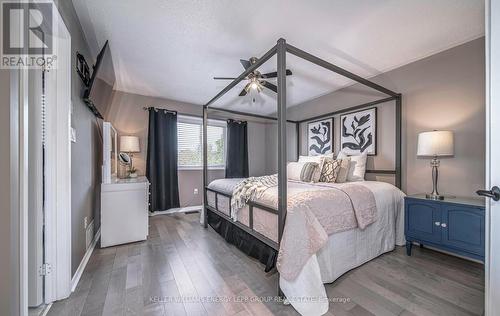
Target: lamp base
{"type": "Point", "coordinates": [434, 197]}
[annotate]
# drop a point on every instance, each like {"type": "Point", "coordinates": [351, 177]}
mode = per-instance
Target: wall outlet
{"type": "Point", "coordinates": [195, 191]}
{"type": "Point", "coordinates": [85, 222]}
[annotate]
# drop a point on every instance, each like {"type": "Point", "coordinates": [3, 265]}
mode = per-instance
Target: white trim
{"type": "Point", "coordinates": [23, 190]}
{"type": "Point", "coordinates": [188, 168]}
{"type": "Point", "coordinates": [178, 210]}
{"type": "Point", "coordinates": [85, 260]}
{"type": "Point", "coordinates": [46, 310]}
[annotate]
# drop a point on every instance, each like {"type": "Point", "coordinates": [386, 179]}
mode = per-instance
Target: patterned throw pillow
{"type": "Point", "coordinates": [308, 170]}
{"type": "Point", "coordinates": [343, 170]}
{"type": "Point", "coordinates": [301, 171]}
{"type": "Point", "coordinates": [330, 170]}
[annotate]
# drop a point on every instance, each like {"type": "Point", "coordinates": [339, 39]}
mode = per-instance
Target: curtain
{"type": "Point", "coordinates": [237, 150]}
{"type": "Point", "coordinates": [161, 166]}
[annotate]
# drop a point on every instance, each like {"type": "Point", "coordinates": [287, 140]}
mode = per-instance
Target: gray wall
{"type": "Point", "coordinates": [86, 154]}
{"type": "Point", "coordinates": [272, 145]}
{"type": "Point", "coordinates": [10, 281]}
{"type": "Point", "coordinates": [128, 117]}
{"type": "Point", "coordinates": [443, 91]}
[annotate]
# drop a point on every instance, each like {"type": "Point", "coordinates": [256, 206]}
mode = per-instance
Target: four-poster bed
{"type": "Point", "coordinates": [218, 196]}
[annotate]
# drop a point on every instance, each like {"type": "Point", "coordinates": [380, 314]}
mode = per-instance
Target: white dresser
{"type": "Point", "coordinates": [124, 211]}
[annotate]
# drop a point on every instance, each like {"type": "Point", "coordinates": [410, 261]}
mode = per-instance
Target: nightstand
{"type": "Point", "coordinates": [454, 225]}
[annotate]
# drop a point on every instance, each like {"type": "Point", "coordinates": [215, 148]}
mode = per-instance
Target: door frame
{"type": "Point", "coordinates": [492, 258]}
{"type": "Point", "coordinates": [58, 222]}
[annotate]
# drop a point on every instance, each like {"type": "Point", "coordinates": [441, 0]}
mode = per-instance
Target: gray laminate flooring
{"type": "Point", "coordinates": [181, 259]}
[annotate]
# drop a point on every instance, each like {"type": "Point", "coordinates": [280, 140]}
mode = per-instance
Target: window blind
{"type": "Point", "coordinates": [190, 143]}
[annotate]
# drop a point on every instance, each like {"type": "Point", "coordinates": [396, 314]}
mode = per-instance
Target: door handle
{"type": "Point", "coordinates": [494, 193]}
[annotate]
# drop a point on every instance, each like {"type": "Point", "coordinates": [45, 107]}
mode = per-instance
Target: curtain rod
{"type": "Point", "coordinates": [159, 109]}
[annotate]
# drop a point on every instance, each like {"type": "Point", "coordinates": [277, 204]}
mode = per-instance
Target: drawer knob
{"type": "Point", "coordinates": [443, 225]}
{"type": "Point", "coordinates": [437, 223]}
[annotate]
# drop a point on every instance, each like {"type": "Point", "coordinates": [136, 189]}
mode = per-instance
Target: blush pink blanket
{"type": "Point", "coordinates": [314, 215]}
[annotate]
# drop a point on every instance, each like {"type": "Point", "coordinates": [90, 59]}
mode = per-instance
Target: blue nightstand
{"type": "Point", "coordinates": [455, 225]}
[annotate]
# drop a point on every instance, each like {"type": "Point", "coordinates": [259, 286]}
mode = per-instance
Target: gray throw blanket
{"type": "Point", "coordinates": [250, 189]}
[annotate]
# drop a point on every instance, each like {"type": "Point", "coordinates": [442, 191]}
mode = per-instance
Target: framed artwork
{"type": "Point", "coordinates": [320, 137]}
{"type": "Point", "coordinates": [359, 132]}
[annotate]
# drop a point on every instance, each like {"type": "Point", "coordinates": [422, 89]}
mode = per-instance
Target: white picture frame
{"type": "Point", "coordinates": [358, 132]}
{"type": "Point", "coordinates": [320, 137]}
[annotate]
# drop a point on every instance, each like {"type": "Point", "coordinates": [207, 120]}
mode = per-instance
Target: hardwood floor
{"type": "Point", "coordinates": [181, 259]}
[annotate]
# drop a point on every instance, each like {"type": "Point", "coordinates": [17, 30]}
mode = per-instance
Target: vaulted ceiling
{"type": "Point", "coordinates": [173, 49]}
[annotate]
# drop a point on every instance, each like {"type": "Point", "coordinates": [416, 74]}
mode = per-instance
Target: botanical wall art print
{"type": "Point", "coordinates": [359, 132]}
{"type": "Point", "coordinates": [320, 137]}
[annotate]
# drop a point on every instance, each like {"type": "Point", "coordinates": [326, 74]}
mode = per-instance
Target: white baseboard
{"type": "Point", "coordinates": [178, 210]}
{"type": "Point", "coordinates": [85, 260]}
{"type": "Point", "coordinates": [46, 310]}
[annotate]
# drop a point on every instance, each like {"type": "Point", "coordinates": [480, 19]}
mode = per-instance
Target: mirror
{"type": "Point", "coordinates": [124, 158]}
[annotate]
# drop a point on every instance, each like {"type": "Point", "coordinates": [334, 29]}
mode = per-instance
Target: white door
{"type": "Point", "coordinates": [35, 189]}
{"type": "Point", "coordinates": [493, 157]}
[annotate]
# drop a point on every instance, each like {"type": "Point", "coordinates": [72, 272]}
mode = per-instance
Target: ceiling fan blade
{"type": "Point", "coordinates": [243, 93]}
{"type": "Point", "coordinates": [269, 85]}
{"type": "Point", "coordinates": [269, 75]}
{"type": "Point", "coordinates": [223, 78]}
{"type": "Point", "coordinates": [245, 63]}
{"type": "Point", "coordinates": [245, 90]}
{"type": "Point", "coordinates": [274, 74]}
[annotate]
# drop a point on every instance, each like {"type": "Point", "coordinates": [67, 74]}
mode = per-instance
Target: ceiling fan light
{"type": "Point", "coordinates": [254, 85]}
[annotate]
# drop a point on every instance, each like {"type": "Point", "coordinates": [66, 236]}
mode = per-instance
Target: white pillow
{"type": "Point", "coordinates": [317, 159]}
{"type": "Point", "coordinates": [357, 167]}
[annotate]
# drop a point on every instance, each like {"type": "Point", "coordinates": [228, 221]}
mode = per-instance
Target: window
{"type": "Point", "coordinates": [190, 141]}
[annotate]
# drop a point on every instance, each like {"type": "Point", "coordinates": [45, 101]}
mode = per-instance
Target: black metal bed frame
{"type": "Point", "coordinates": [280, 49]}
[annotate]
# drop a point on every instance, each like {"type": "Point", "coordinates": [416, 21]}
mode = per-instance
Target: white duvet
{"type": "Point", "coordinates": [345, 250]}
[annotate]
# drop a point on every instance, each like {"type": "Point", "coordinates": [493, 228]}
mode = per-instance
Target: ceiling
{"type": "Point", "coordinates": [172, 49]}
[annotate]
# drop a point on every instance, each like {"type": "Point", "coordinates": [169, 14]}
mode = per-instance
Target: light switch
{"type": "Point", "coordinates": [73, 135]}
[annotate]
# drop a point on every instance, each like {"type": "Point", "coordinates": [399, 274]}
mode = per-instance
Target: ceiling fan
{"type": "Point", "coordinates": [255, 78]}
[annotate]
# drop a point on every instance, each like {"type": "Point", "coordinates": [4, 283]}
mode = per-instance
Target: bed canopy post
{"type": "Point", "coordinates": [205, 167]}
{"type": "Point", "coordinates": [282, 177]}
{"type": "Point", "coordinates": [282, 153]}
{"type": "Point", "coordinates": [398, 141]}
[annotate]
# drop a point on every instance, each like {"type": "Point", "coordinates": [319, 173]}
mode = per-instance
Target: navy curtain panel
{"type": "Point", "coordinates": [161, 165]}
{"type": "Point", "coordinates": [237, 150]}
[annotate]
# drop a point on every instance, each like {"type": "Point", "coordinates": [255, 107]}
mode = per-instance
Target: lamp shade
{"type": "Point", "coordinates": [435, 143]}
{"type": "Point", "coordinates": [129, 144]}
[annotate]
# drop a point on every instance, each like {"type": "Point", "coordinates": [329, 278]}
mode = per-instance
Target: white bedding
{"type": "Point", "coordinates": [336, 258]}
{"type": "Point", "coordinates": [345, 250]}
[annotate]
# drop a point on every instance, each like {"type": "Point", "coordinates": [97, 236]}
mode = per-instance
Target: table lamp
{"type": "Point", "coordinates": [435, 144]}
{"type": "Point", "coordinates": [130, 144]}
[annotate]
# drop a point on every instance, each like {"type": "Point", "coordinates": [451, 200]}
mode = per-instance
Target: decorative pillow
{"type": "Point", "coordinates": [317, 159]}
{"type": "Point", "coordinates": [357, 166]}
{"type": "Point", "coordinates": [330, 170]}
{"type": "Point", "coordinates": [343, 170]}
{"type": "Point", "coordinates": [301, 171]}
